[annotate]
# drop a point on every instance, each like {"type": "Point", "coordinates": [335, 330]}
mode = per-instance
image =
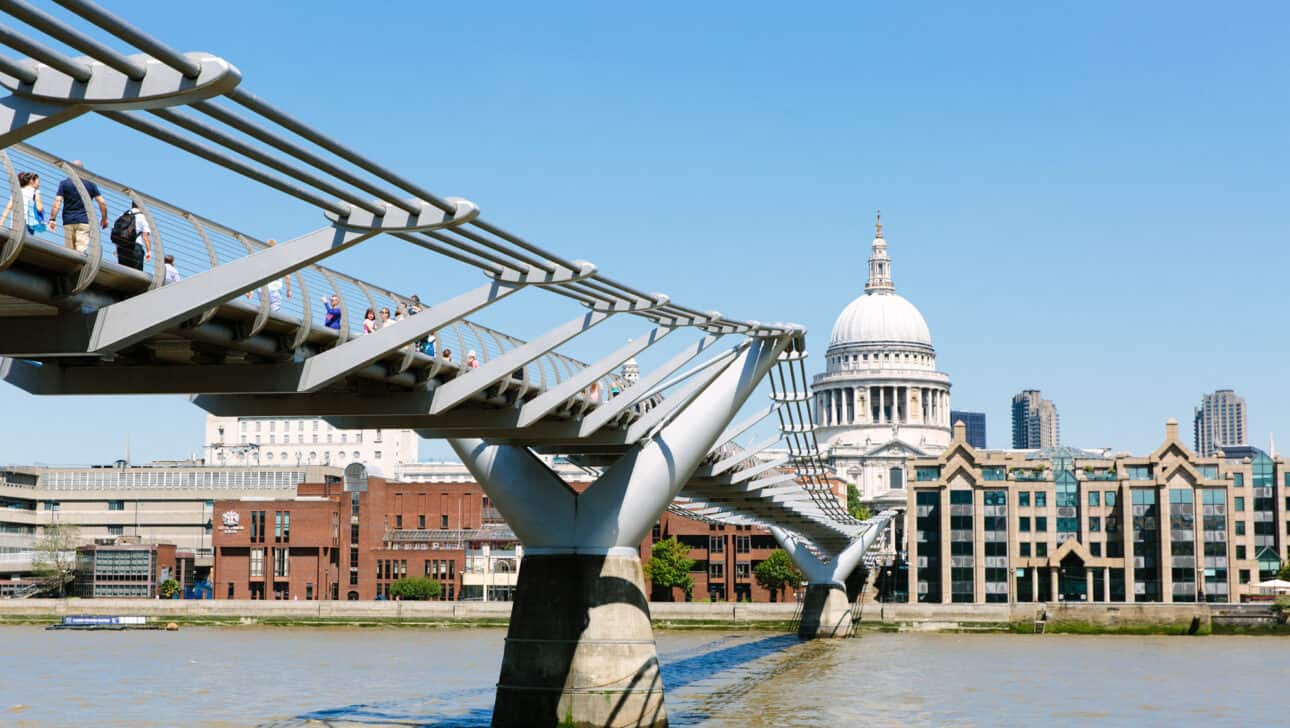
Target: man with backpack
{"type": "Point", "coordinates": [133, 237]}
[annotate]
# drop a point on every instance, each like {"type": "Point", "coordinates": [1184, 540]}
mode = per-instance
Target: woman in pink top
{"type": "Point", "coordinates": [369, 322]}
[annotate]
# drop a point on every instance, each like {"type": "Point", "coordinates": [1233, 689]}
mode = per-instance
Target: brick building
{"type": "Point", "coordinates": [327, 542]}
{"type": "Point", "coordinates": [724, 557]}
{"type": "Point", "coordinates": [330, 542]}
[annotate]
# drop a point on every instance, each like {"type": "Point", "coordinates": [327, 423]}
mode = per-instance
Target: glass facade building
{"type": "Point", "coordinates": [1061, 524]}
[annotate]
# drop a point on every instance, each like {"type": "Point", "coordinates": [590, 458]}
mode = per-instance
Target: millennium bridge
{"type": "Point", "coordinates": [77, 320]}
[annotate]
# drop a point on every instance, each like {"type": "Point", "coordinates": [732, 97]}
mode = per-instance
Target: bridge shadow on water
{"type": "Point", "coordinates": [697, 681]}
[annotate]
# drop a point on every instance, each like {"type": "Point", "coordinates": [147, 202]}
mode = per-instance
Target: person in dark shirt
{"type": "Point", "coordinates": [76, 219]}
{"type": "Point", "coordinates": [333, 312]}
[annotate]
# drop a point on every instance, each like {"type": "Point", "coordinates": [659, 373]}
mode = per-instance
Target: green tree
{"type": "Point", "coordinates": [54, 560]}
{"type": "Point", "coordinates": [854, 507]}
{"type": "Point", "coordinates": [669, 565]}
{"type": "Point", "coordinates": [776, 573]}
{"type": "Point", "coordinates": [415, 588]}
{"type": "Point", "coordinates": [168, 589]}
{"type": "Point", "coordinates": [1284, 573]}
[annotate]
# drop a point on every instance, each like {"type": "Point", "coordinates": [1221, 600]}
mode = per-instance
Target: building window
{"type": "Point", "coordinates": [398, 521]}
{"type": "Point", "coordinates": [1240, 552]}
{"type": "Point", "coordinates": [257, 562]}
{"type": "Point", "coordinates": [1238, 480]}
{"type": "Point", "coordinates": [53, 505]}
{"type": "Point", "coordinates": [743, 544]}
{"type": "Point", "coordinates": [1094, 498]}
{"type": "Point", "coordinates": [1023, 524]}
{"type": "Point", "coordinates": [1041, 499]}
{"type": "Point", "coordinates": [1023, 499]}
{"type": "Point", "coordinates": [376, 455]}
{"type": "Point", "coordinates": [1238, 504]}
{"type": "Point", "coordinates": [281, 562]}
{"type": "Point", "coordinates": [896, 478]}
{"type": "Point", "coordinates": [443, 520]}
{"type": "Point", "coordinates": [1094, 524]}
{"type": "Point", "coordinates": [716, 544]}
{"type": "Point", "coordinates": [716, 570]}
{"type": "Point", "coordinates": [1240, 528]}
{"type": "Point", "coordinates": [116, 505]}
{"type": "Point", "coordinates": [1041, 523]}
{"type": "Point", "coordinates": [421, 521]}
{"type": "Point", "coordinates": [743, 570]}
{"type": "Point", "coordinates": [1245, 576]}
{"type": "Point", "coordinates": [1109, 499]}
{"type": "Point", "coordinates": [258, 532]}
{"type": "Point", "coordinates": [1025, 548]}
{"type": "Point", "coordinates": [1138, 472]}
{"type": "Point", "coordinates": [1095, 549]}
{"type": "Point", "coordinates": [925, 474]}
{"type": "Point", "coordinates": [1041, 549]}
{"type": "Point", "coordinates": [993, 472]}
{"type": "Point", "coordinates": [115, 530]}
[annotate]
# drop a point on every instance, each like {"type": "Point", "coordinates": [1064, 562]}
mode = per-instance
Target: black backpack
{"type": "Point", "coordinates": [123, 229]}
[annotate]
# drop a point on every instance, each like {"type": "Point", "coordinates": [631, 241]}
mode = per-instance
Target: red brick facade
{"type": "Point", "coordinates": [328, 543]}
{"type": "Point", "coordinates": [724, 557]}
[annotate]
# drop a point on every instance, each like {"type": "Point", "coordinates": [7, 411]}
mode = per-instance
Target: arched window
{"type": "Point", "coordinates": [352, 596]}
{"type": "Point", "coordinates": [897, 478]}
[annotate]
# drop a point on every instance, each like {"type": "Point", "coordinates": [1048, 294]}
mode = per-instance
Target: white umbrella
{"type": "Point", "coordinates": [1275, 583]}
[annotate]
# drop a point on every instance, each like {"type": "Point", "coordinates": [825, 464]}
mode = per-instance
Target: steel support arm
{"type": "Point", "coordinates": [633, 394]}
{"type": "Point", "coordinates": [620, 506]}
{"type": "Point", "coordinates": [134, 319]}
{"type": "Point", "coordinates": [332, 365]}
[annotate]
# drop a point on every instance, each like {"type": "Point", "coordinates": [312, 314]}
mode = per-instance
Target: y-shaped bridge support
{"type": "Point", "coordinates": [826, 611]}
{"type": "Point", "coordinates": [580, 649]}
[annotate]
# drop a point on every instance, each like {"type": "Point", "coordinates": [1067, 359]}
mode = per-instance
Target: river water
{"type": "Point", "coordinates": [241, 676]}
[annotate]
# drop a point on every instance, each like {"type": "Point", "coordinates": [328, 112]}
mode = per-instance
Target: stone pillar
{"type": "Point", "coordinates": [580, 644]}
{"type": "Point", "coordinates": [1088, 576]}
{"type": "Point", "coordinates": [1106, 583]}
{"type": "Point", "coordinates": [1034, 584]}
{"type": "Point", "coordinates": [825, 612]}
{"type": "Point", "coordinates": [978, 545]}
{"type": "Point", "coordinates": [1054, 584]}
{"type": "Point", "coordinates": [946, 584]}
{"type": "Point", "coordinates": [1167, 546]}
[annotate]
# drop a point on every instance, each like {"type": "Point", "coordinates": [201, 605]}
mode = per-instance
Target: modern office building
{"type": "Point", "coordinates": [1220, 422]}
{"type": "Point", "coordinates": [157, 504]}
{"type": "Point", "coordinates": [880, 399]}
{"type": "Point", "coordinates": [122, 569]}
{"type": "Point", "coordinates": [1035, 424]}
{"type": "Point", "coordinates": [975, 423]}
{"type": "Point", "coordinates": [302, 441]}
{"type": "Point", "coordinates": [1060, 524]}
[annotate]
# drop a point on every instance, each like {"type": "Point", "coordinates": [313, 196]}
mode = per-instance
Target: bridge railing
{"type": "Point", "coordinates": [198, 244]}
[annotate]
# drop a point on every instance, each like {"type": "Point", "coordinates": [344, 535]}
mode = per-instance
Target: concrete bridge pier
{"type": "Point", "coordinates": [826, 611]}
{"type": "Point", "coordinates": [580, 647]}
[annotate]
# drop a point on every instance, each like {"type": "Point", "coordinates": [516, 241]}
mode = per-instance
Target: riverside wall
{"type": "Point", "coordinates": [911, 617]}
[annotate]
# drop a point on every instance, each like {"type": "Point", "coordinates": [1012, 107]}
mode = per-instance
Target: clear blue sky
{"type": "Point", "coordinates": [1087, 198]}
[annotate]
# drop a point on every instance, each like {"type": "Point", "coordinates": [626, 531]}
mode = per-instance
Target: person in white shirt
{"type": "Point", "coordinates": [276, 286]}
{"type": "Point", "coordinates": [172, 273]}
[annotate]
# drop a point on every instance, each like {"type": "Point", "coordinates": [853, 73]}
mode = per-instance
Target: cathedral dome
{"type": "Point", "coordinates": [880, 317]}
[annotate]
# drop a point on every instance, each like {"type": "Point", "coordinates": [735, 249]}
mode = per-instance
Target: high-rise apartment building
{"type": "Point", "coordinates": [1220, 422]}
{"type": "Point", "coordinates": [1035, 424]}
{"type": "Point", "coordinates": [975, 424]}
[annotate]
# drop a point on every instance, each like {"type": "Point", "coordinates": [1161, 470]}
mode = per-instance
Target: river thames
{"type": "Point", "coordinates": [337, 676]}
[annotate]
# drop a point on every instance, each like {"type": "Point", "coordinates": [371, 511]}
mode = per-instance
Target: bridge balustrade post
{"type": "Point", "coordinates": [580, 647]}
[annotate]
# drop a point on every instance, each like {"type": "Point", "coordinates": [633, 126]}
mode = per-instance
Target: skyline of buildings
{"type": "Point", "coordinates": [1035, 422]}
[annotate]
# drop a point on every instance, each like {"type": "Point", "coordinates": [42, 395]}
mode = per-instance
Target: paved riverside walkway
{"type": "Point", "coordinates": [913, 617]}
